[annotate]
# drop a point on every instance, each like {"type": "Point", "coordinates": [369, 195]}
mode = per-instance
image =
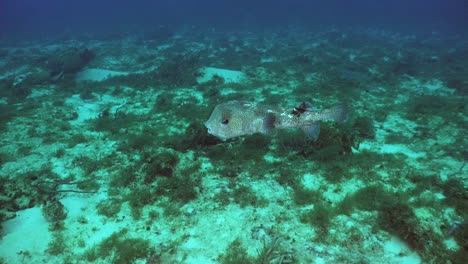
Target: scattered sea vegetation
{"type": "Point", "coordinates": [118, 248]}
{"type": "Point", "coordinates": [271, 252]}
{"type": "Point", "coordinates": [134, 146]}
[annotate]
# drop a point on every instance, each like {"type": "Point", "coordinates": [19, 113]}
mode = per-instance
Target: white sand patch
{"type": "Point", "coordinates": [23, 164]}
{"type": "Point", "coordinates": [433, 86]}
{"type": "Point", "coordinates": [229, 76]}
{"type": "Point", "coordinates": [345, 188]}
{"type": "Point", "coordinates": [95, 229]}
{"type": "Point", "coordinates": [270, 190]}
{"type": "Point", "coordinates": [216, 230]}
{"type": "Point", "coordinates": [27, 232]}
{"type": "Point", "coordinates": [86, 111]}
{"type": "Point", "coordinates": [390, 149]}
{"type": "Point", "coordinates": [79, 205]}
{"type": "Point", "coordinates": [315, 182]}
{"type": "Point", "coordinates": [90, 110]}
{"type": "Point", "coordinates": [35, 93]}
{"type": "Point", "coordinates": [227, 91]}
{"type": "Point", "coordinates": [451, 244]}
{"type": "Point", "coordinates": [188, 95]}
{"type": "Point", "coordinates": [97, 74]}
{"type": "Point", "coordinates": [452, 168]}
{"type": "Point", "coordinates": [19, 74]}
{"type": "Point", "coordinates": [283, 90]}
{"type": "Point", "coordinates": [399, 252]}
{"type": "Point", "coordinates": [270, 158]}
{"type": "Point", "coordinates": [312, 182]}
{"type": "Point", "coordinates": [396, 124]}
{"type": "Point", "coordinates": [268, 59]}
{"type": "Point", "coordinates": [403, 149]}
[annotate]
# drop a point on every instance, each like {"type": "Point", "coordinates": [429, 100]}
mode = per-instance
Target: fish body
{"type": "Point", "coordinates": [237, 118]}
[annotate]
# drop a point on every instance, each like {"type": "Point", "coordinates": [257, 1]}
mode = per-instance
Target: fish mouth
{"type": "Point", "coordinates": [213, 133]}
{"type": "Point", "coordinates": [210, 131]}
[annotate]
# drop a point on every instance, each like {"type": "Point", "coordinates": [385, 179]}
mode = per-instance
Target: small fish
{"type": "Point", "coordinates": [237, 118]}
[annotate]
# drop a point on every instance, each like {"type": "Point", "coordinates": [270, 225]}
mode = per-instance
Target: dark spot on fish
{"type": "Point", "coordinates": [225, 121]}
{"type": "Point", "coordinates": [269, 123]}
{"type": "Point", "coordinates": [300, 109]}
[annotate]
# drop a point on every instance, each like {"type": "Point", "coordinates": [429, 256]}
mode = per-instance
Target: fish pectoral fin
{"type": "Point", "coordinates": [270, 132]}
{"type": "Point", "coordinates": [312, 131]}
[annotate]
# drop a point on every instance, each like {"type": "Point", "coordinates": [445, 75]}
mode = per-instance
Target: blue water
{"type": "Point", "coordinates": [235, 131]}
{"type": "Point", "coordinates": [51, 16]}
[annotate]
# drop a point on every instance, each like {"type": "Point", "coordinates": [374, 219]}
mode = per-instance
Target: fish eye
{"type": "Point", "coordinates": [225, 121]}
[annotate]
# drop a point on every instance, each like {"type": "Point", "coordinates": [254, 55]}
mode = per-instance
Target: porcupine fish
{"type": "Point", "coordinates": [237, 118]}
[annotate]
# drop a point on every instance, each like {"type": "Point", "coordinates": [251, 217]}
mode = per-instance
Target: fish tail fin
{"type": "Point", "coordinates": [339, 113]}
